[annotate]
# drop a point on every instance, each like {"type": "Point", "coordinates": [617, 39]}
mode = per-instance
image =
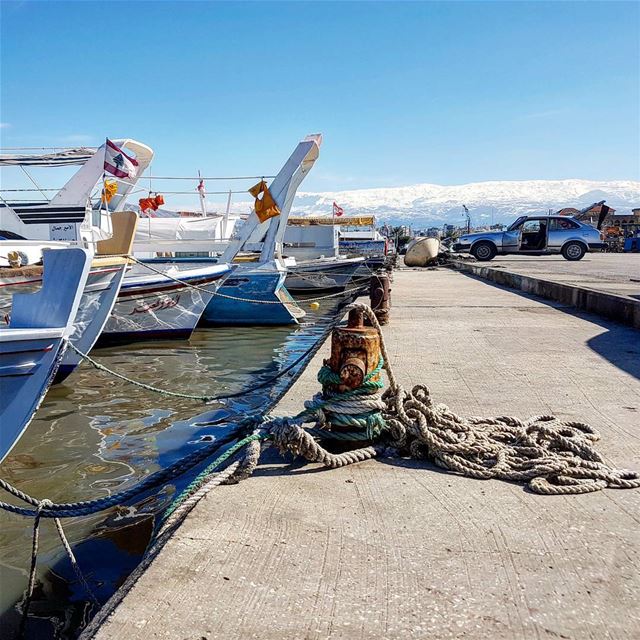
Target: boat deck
{"type": "Point", "coordinates": [397, 549]}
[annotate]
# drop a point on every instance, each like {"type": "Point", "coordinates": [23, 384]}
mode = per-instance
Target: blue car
{"type": "Point", "coordinates": [534, 235]}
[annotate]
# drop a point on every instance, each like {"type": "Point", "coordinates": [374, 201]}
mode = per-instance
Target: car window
{"type": "Point", "coordinates": [531, 226]}
{"type": "Point", "coordinates": [517, 223]}
{"type": "Point", "coordinates": [562, 224]}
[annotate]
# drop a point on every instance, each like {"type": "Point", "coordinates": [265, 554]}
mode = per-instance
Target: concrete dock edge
{"type": "Point", "coordinates": [608, 305]}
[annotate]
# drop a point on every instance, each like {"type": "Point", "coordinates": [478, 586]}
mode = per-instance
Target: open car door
{"type": "Point", "coordinates": [511, 237]}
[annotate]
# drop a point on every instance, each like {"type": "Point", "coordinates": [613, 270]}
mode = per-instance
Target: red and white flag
{"type": "Point", "coordinates": [200, 188]}
{"type": "Point", "coordinates": [337, 211]}
{"type": "Point", "coordinates": [118, 163]}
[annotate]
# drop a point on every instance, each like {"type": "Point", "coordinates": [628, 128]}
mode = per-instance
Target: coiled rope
{"type": "Point", "coordinates": [553, 457]}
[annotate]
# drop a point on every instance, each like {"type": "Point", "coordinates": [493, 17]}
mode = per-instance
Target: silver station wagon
{"type": "Point", "coordinates": [534, 235]}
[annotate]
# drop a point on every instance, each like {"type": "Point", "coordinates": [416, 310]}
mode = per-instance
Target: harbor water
{"type": "Point", "coordinates": [95, 435]}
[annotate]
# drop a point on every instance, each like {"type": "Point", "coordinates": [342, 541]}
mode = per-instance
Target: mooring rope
{"type": "Point", "coordinates": [553, 457]}
{"type": "Point", "coordinates": [227, 296]}
{"type": "Point", "coordinates": [202, 398]}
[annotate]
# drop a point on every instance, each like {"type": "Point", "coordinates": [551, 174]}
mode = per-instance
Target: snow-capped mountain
{"type": "Point", "coordinates": [500, 201]}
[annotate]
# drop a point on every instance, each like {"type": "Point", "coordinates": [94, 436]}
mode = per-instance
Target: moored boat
{"type": "Point", "coordinates": [162, 303]}
{"type": "Point", "coordinates": [255, 294]}
{"type": "Point", "coordinates": [149, 304]}
{"type": "Point", "coordinates": [34, 343]}
{"type": "Point", "coordinates": [325, 274]}
{"type": "Point", "coordinates": [103, 283]}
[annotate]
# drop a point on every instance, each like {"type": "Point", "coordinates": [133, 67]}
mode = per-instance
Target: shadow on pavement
{"type": "Point", "coordinates": [618, 343]}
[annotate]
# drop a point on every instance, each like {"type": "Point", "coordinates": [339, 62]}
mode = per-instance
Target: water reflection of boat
{"type": "Point", "coordinates": [35, 341]}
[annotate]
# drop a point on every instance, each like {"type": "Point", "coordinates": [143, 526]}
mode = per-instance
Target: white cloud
{"type": "Point", "coordinates": [4, 125]}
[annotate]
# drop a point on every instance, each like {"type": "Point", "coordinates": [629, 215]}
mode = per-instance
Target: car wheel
{"type": "Point", "coordinates": [573, 251]}
{"type": "Point", "coordinates": [484, 251]}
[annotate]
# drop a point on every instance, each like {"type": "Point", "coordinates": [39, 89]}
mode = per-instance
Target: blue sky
{"type": "Point", "coordinates": [441, 92]}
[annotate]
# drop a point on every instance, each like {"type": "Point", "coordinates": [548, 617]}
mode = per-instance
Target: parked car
{"type": "Point", "coordinates": [534, 235]}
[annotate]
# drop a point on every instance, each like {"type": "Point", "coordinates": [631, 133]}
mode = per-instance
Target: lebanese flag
{"type": "Point", "coordinates": [118, 163]}
{"type": "Point", "coordinates": [337, 211]}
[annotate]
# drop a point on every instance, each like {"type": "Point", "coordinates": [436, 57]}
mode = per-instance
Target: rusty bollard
{"type": "Point", "coordinates": [380, 296]}
{"type": "Point", "coordinates": [355, 352]}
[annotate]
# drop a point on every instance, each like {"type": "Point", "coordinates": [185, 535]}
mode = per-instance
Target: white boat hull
{"type": "Point", "coordinates": [96, 303]}
{"type": "Point", "coordinates": [153, 306]}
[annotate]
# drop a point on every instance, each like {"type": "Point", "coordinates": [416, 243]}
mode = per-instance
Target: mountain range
{"type": "Point", "coordinates": [423, 205]}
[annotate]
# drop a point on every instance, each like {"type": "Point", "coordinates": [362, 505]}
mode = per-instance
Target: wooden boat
{"type": "Point", "coordinates": [98, 297]}
{"type": "Point", "coordinates": [323, 275]}
{"type": "Point", "coordinates": [162, 305]}
{"type": "Point", "coordinates": [255, 293]}
{"type": "Point", "coordinates": [34, 343]}
{"type": "Point", "coordinates": [149, 304]}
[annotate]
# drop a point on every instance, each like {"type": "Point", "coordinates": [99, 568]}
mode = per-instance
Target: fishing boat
{"type": "Point", "coordinates": [102, 287]}
{"type": "Point", "coordinates": [166, 303]}
{"type": "Point", "coordinates": [314, 262]}
{"type": "Point", "coordinates": [325, 275]}
{"type": "Point", "coordinates": [148, 303]}
{"type": "Point", "coordinates": [33, 345]}
{"type": "Point", "coordinates": [255, 293]}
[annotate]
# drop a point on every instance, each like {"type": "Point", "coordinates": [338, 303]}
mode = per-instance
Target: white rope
{"type": "Point", "coordinates": [237, 298]}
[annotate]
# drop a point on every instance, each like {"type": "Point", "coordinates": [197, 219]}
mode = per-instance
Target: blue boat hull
{"type": "Point", "coordinates": [249, 285]}
{"type": "Point", "coordinates": [27, 368]}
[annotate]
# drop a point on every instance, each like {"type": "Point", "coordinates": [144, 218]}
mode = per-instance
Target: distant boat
{"type": "Point", "coordinates": [33, 345]}
{"type": "Point", "coordinates": [356, 236]}
{"type": "Point", "coordinates": [325, 275]}
{"type": "Point", "coordinates": [313, 259]}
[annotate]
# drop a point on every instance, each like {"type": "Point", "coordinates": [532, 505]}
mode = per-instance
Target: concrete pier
{"type": "Point", "coordinates": [397, 549]}
{"type": "Point", "coordinates": [607, 284]}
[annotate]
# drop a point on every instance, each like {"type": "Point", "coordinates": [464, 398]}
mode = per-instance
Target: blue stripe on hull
{"type": "Point", "coordinates": [254, 286]}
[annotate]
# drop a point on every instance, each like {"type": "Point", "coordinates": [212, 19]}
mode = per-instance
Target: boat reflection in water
{"type": "Point", "coordinates": [96, 435]}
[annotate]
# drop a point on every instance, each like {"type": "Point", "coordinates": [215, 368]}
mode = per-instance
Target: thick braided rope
{"type": "Point", "coordinates": [181, 511]}
{"type": "Point", "coordinates": [289, 436]}
{"type": "Point", "coordinates": [87, 507]}
{"type": "Point", "coordinates": [552, 456]}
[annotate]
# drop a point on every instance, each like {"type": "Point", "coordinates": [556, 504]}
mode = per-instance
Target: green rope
{"type": "Point", "coordinates": [371, 423]}
{"type": "Point", "coordinates": [203, 475]}
{"type": "Point", "coordinates": [368, 425]}
{"type": "Point", "coordinates": [327, 376]}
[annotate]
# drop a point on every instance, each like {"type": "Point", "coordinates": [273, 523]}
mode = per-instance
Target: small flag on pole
{"type": "Point", "coordinates": [203, 196]}
{"type": "Point", "coordinates": [337, 211]}
{"type": "Point", "coordinates": [118, 163]}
